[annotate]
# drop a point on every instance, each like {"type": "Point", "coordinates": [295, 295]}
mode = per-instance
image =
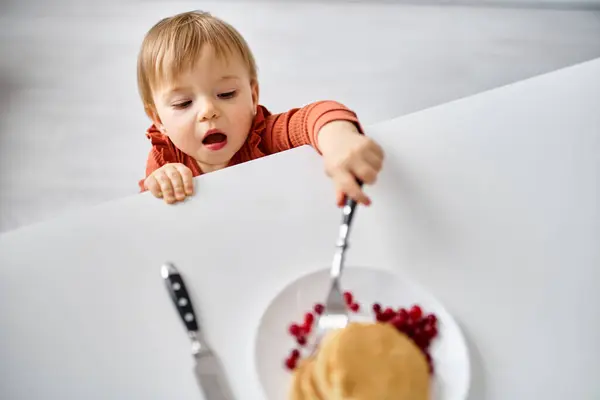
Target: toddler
{"type": "Point", "coordinates": [198, 82]}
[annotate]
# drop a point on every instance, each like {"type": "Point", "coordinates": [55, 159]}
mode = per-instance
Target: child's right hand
{"type": "Point", "coordinates": [172, 182]}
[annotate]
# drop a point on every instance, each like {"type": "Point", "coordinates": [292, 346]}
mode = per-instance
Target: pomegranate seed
{"type": "Point", "coordinates": [354, 307]}
{"type": "Point", "coordinates": [290, 363]}
{"type": "Point", "coordinates": [306, 328]}
{"type": "Point", "coordinates": [422, 342]}
{"type": "Point", "coordinates": [295, 354]}
{"type": "Point", "coordinates": [319, 308]}
{"type": "Point", "coordinates": [301, 340]}
{"type": "Point", "coordinates": [432, 333]}
{"type": "Point", "coordinates": [294, 329]}
{"type": "Point", "coordinates": [431, 319]}
{"type": "Point", "coordinates": [387, 314]}
{"type": "Point", "coordinates": [417, 332]}
{"type": "Point", "coordinates": [348, 298]}
{"type": "Point", "coordinates": [416, 312]}
{"type": "Point", "coordinates": [428, 331]}
{"type": "Point", "coordinates": [376, 308]}
{"type": "Point", "coordinates": [309, 319]}
{"type": "Point", "coordinates": [403, 312]}
{"type": "Point", "coordinates": [399, 321]}
{"type": "Point", "coordinates": [412, 323]}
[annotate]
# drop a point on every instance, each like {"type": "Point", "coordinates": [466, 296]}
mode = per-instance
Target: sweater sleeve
{"type": "Point", "coordinates": [300, 126]}
{"type": "Point", "coordinates": [160, 154]}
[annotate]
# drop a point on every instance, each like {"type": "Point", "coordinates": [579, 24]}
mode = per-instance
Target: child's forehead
{"type": "Point", "coordinates": [208, 66]}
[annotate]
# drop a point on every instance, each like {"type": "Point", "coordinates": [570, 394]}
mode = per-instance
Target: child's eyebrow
{"type": "Point", "coordinates": [227, 77]}
{"type": "Point", "coordinates": [172, 91]}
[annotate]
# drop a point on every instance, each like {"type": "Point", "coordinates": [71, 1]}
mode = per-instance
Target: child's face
{"type": "Point", "coordinates": [207, 112]}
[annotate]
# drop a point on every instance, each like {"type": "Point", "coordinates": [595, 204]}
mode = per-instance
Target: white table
{"type": "Point", "coordinates": [490, 201]}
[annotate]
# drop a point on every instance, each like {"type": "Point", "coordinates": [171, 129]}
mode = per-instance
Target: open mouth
{"type": "Point", "coordinates": [215, 141]}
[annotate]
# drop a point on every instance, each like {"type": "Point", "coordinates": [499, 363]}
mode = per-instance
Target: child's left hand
{"type": "Point", "coordinates": [348, 156]}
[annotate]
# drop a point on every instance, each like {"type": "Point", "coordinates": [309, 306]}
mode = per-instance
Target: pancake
{"type": "Point", "coordinates": [370, 361]}
{"type": "Point", "coordinates": [302, 370]}
{"type": "Point", "coordinates": [307, 383]}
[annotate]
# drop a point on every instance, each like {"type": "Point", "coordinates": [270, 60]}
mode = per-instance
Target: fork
{"type": "Point", "coordinates": [335, 314]}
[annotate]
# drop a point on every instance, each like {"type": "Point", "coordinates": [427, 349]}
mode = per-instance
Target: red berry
{"type": "Point", "coordinates": [412, 323]}
{"type": "Point", "coordinates": [423, 323]}
{"type": "Point", "coordinates": [431, 319]}
{"type": "Point", "coordinates": [306, 328]}
{"type": "Point", "coordinates": [387, 314]}
{"type": "Point", "coordinates": [423, 342]}
{"type": "Point", "coordinates": [319, 308]}
{"type": "Point", "coordinates": [417, 332]}
{"type": "Point", "coordinates": [399, 321]}
{"type": "Point", "coordinates": [295, 354]}
{"type": "Point", "coordinates": [416, 312]}
{"type": "Point", "coordinates": [429, 362]}
{"type": "Point", "coordinates": [430, 331]}
{"type": "Point", "coordinates": [354, 307]}
{"type": "Point", "coordinates": [403, 312]}
{"type": "Point", "coordinates": [290, 363]}
{"type": "Point", "coordinates": [348, 298]}
{"type": "Point", "coordinates": [309, 318]}
{"type": "Point", "coordinates": [376, 308]}
{"type": "Point", "coordinates": [301, 340]}
{"type": "Point", "coordinates": [294, 329]}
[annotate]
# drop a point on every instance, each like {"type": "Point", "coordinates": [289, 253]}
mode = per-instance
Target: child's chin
{"type": "Point", "coordinates": [221, 156]}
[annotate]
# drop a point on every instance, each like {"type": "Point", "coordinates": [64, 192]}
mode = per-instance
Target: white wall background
{"type": "Point", "coordinates": [72, 127]}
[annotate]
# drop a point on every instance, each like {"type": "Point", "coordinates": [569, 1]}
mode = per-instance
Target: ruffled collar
{"type": "Point", "coordinates": [251, 148]}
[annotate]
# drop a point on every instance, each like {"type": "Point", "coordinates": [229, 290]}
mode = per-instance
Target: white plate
{"type": "Point", "coordinates": [273, 343]}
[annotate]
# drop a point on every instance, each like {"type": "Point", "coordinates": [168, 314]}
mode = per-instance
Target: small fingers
{"type": "Point", "coordinates": [153, 186]}
{"type": "Point", "coordinates": [346, 183]}
{"type": "Point", "coordinates": [365, 172]}
{"type": "Point", "coordinates": [375, 159]}
{"type": "Point", "coordinates": [176, 182]}
{"type": "Point", "coordinates": [187, 177]}
{"type": "Point", "coordinates": [166, 187]}
{"type": "Point", "coordinates": [376, 149]}
{"type": "Point", "coordinates": [340, 198]}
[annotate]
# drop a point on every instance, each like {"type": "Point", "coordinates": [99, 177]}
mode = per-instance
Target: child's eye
{"type": "Point", "coordinates": [183, 104]}
{"type": "Point", "coordinates": [226, 95]}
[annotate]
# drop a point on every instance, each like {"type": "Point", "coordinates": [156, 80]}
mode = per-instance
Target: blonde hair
{"type": "Point", "coordinates": [174, 44]}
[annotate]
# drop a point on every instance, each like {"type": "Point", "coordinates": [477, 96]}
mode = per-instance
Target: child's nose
{"type": "Point", "coordinates": [208, 111]}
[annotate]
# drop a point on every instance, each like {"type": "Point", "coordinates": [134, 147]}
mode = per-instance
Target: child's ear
{"type": "Point", "coordinates": [153, 115]}
{"type": "Point", "coordinates": [254, 89]}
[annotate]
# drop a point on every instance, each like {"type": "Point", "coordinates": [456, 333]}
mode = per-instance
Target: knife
{"type": "Point", "coordinates": [209, 373]}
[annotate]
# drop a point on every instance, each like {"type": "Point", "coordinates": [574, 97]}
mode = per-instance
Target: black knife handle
{"type": "Point", "coordinates": [180, 296]}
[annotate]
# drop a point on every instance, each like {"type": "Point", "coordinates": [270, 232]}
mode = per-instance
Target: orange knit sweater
{"type": "Point", "coordinates": [269, 134]}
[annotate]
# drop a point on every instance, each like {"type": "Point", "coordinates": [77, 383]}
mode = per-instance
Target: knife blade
{"type": "Point", "coordinates": [210, 377]}
{"type": "Point", "coordinates": [208, 370]}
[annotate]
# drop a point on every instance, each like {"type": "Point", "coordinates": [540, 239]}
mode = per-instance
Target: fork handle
{"type": "Point", "coordinates": [349, 208]}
